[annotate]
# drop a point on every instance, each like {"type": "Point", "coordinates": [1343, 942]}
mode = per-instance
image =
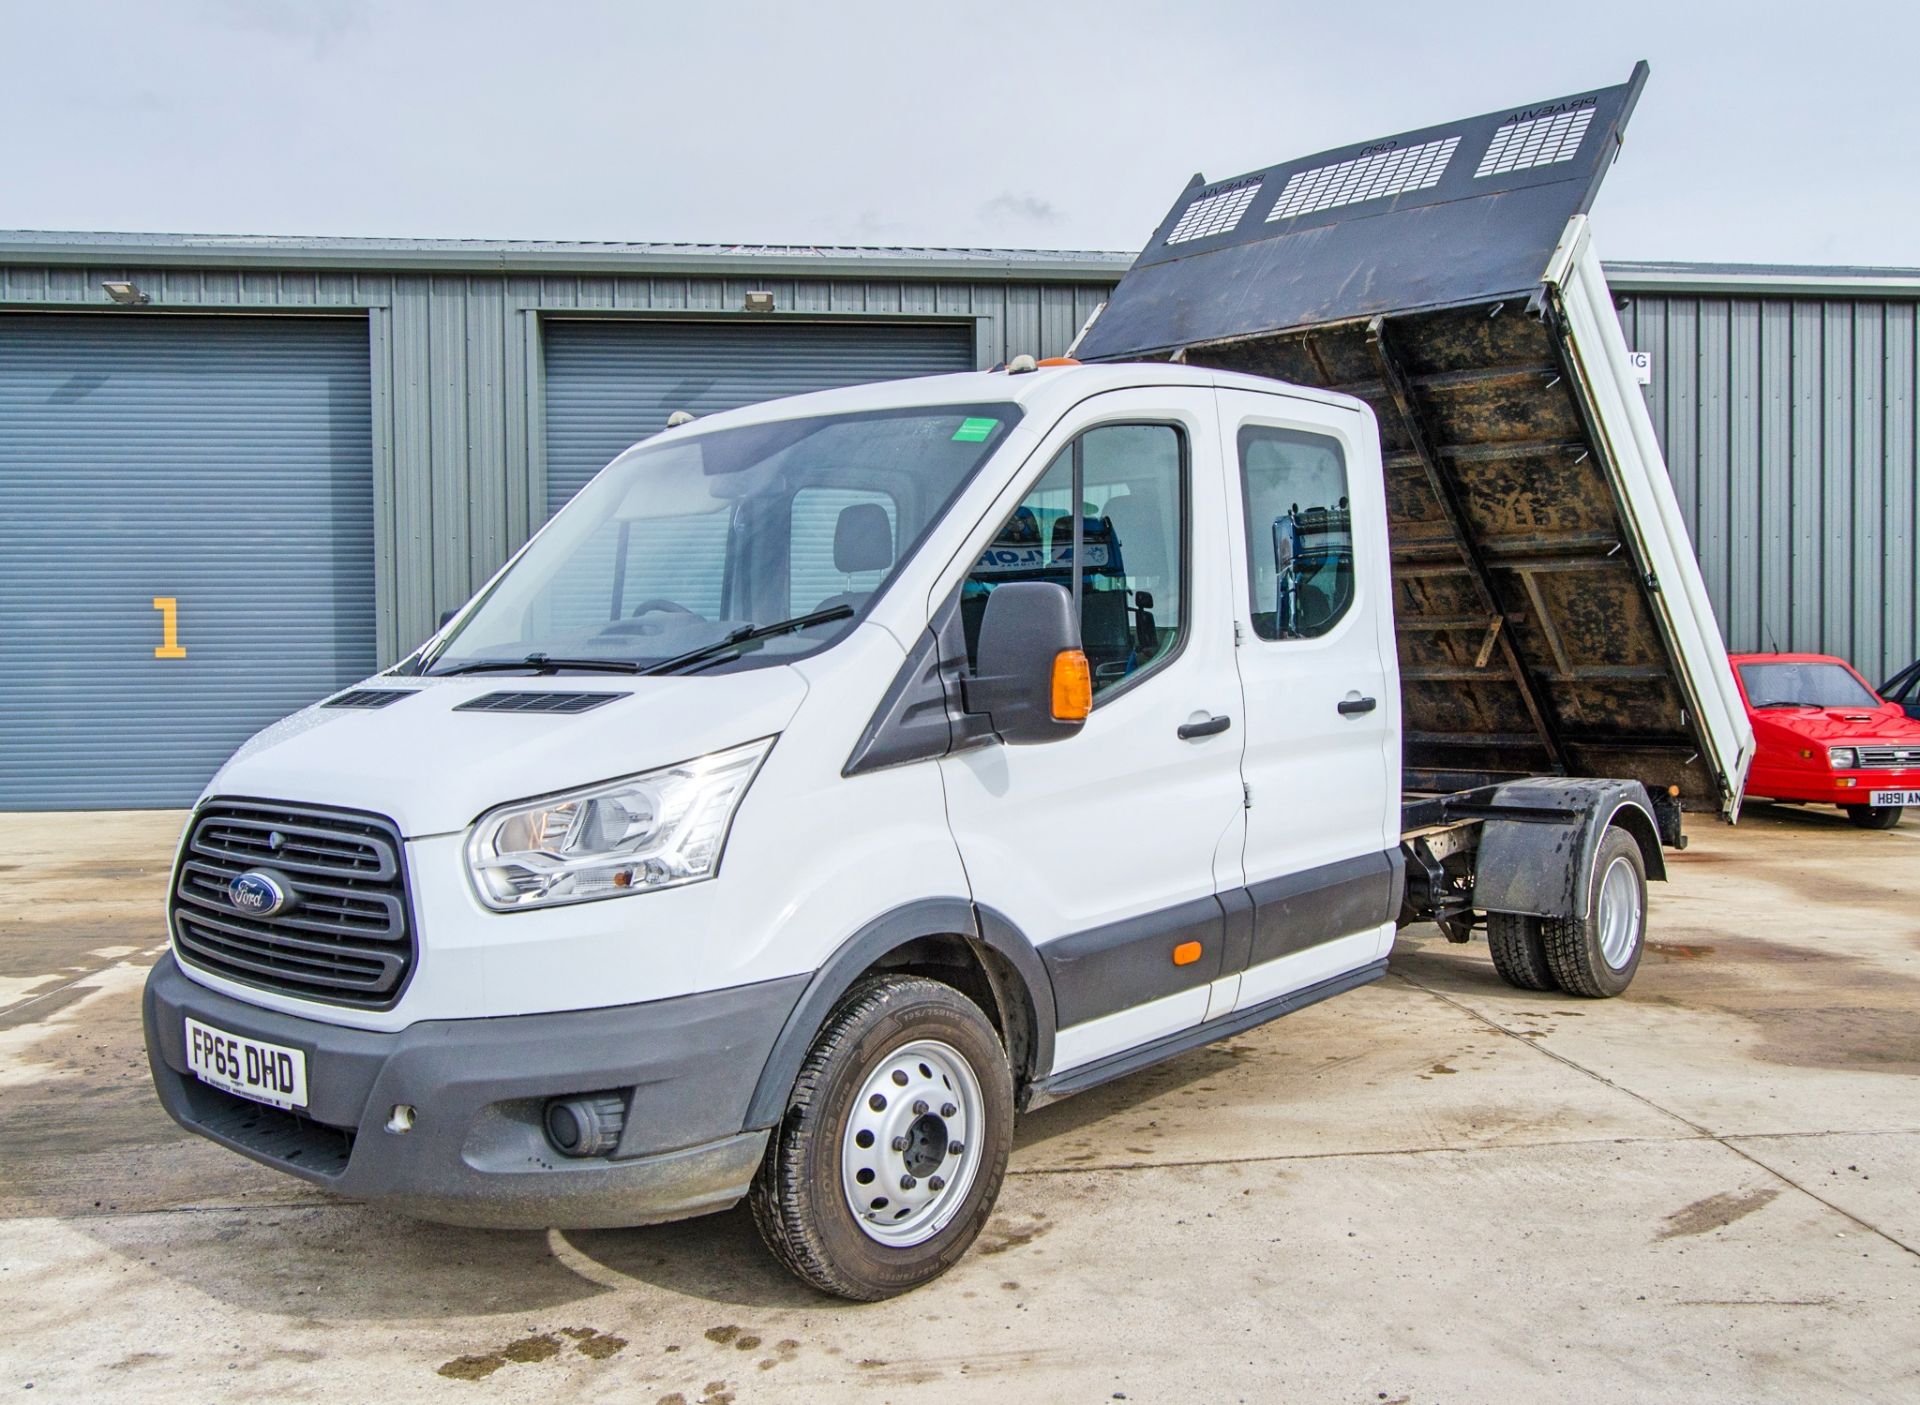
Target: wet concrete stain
{"type": "Point", "coordinates": [591, 1343]}
{"type": "Point", "coordinates": [1679, 951]}
{"type": "Point", "coordinates": [595, 1346]}
{"type": "Point", "coordinates": [714, 1393]}
{"type": "Point", "coordinates": [999, 1238]}
{"type": "Point", "coordinates": [784, 1351]}
{"type": "Point", "coordinates": [1716, 1212]}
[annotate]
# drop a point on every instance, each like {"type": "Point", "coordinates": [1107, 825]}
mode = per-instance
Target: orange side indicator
{"type": "Point", "coordinates": [1186, 953]}
{"type": "Point", "coordinates": [1072, 686]}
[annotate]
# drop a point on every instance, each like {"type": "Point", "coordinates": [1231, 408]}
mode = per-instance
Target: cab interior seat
{"type": "Point", "coordinates": [862, 542]}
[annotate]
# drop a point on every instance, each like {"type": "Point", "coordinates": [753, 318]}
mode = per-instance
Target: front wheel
{"type": "Point", "coordinates": [1596, 955]}
{"type": "Point", "coordinates": [895, 1141]}
{"type": "Point", "coordinates": [1873, 816]}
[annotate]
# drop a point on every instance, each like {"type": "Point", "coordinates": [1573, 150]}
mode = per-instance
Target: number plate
{"type": "Point", "coordinates": [1896, 797]}
{"type": "Point", "coordinates": [251, 1068]}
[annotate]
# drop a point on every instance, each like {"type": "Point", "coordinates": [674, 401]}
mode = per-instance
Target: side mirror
{"type": "Point", "coordinates": [1032, 681]}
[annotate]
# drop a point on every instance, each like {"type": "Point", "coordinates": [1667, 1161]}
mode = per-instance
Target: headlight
{"type": "Point", "coordinates": [1841, 758]}
{"type": "Point", "coordinates": [655, 830]}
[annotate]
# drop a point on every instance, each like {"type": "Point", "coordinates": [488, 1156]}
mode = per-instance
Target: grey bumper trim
{"type": "Point", "coordinates": [476, 1154]}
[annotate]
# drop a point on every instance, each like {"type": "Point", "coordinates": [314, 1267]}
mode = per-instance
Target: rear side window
{"type": "Point", "coordinates": [1122, 554]}
{"type": "Point", "coordinates": [1299, 531]}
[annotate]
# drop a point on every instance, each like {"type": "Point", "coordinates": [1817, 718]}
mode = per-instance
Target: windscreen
{"type": "Point", "coordinates": [691, 540]}
{"type": "Point", "coordinates": [1804, 685]}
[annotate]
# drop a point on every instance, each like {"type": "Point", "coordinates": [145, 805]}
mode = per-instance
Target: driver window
{"type": "Point", "coordinates": [1299, 531]}
{"type": "Point", "coordinates": [1129, 481]}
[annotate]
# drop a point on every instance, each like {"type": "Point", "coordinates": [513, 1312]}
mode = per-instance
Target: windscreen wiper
{"type": "Point", "coordinates": [747, 634]}
{"type": "Point", "coordinates": [541, 663]}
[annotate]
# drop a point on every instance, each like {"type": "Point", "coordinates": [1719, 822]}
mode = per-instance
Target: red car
{"type": "Point", "coordinates": [1822, 735]}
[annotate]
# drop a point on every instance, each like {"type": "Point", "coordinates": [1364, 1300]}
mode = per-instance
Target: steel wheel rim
{"type": "Point", "coordinates": [1619, 913]}
{"type": "Point", "coordinates": [902, 1177]}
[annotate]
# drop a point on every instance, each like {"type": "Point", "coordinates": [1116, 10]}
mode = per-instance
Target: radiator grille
{"type": "Point", "coordinates": [1889, 758]}
{"type": "Point", "coordinates": [344, 936]}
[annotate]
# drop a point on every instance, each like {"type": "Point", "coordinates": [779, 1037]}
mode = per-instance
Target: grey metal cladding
{"type": "Point", "coordinates": [1789, 426]}
{"type": "Point", "coordinates": [612, 383]}
{"type": "Point", "coordinates": [458, 408]}
{"type": "Point", "coordinates": [223, 463]}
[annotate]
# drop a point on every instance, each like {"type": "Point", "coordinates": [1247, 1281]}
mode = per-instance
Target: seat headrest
{"type": "Point", "coordinates": [862, 538]}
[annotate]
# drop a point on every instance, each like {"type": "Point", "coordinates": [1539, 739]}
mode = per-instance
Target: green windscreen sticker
{"type": "Point", "coordinates": [973, 431]}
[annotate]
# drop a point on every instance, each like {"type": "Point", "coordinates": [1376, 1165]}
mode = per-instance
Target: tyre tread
{"type": "Point", "coordinates": [1519, 951]}
{"type": "Point", "coordinates": [1570, 943]}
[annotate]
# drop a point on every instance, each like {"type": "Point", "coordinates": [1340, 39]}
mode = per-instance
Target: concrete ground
{"type": "Point", "coordinates": [1432, 1189]}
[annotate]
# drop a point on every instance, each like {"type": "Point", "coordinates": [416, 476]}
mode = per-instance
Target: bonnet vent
{"type": "Point", "coordinates": [526, 701]}
{"type": "Point", "coordinates": [369, 697]}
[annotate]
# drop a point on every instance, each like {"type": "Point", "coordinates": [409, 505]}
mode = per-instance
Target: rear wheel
{"type": "Point", "coordinates": [1519, 951]}
{"type": "Point", "coordinates": [1873, 816]}
{"type": "Point", "coordinates": [894, 1145]}
{"type": "Point", "coordinates": [1596, 955]}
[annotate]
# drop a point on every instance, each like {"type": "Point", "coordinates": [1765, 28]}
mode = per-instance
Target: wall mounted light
{"type": "Point", "coordinates": [759, 302]}
{"type": "Point", "coordinates": [127, 294]}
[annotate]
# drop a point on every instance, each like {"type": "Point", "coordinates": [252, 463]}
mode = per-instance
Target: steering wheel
{"type": "Point", "coordinates": [659, 604]}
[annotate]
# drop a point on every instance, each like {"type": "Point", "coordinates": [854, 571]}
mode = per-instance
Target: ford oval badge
{"type": "Point", "coordinates": [258, 893]}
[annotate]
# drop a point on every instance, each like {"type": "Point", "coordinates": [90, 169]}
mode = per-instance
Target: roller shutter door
{"type": "Point", "coordinates": [610, 384]}
{"type": "Point", "coordinates": [224, 464]}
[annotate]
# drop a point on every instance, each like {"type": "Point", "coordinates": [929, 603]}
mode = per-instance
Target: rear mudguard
{"type": "Point", "coordinates": [1537, 863]}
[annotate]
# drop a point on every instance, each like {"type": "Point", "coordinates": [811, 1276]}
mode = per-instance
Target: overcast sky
{"type": "Point", "coordinates": [1767, 132]}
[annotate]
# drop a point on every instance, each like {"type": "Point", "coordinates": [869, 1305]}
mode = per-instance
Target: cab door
{"type": "Point", "coordinates": [1108, 850]}
{"type": "Point", "coordinates": [1313, 602]}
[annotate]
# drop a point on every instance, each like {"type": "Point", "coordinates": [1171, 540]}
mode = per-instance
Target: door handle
{"type": "Point", "coordinates": [1212, 727]}
{"type": "Point", "coordinates": [1353, 707]}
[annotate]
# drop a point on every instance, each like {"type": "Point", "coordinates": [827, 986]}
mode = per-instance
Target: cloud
{"type": "Point", "coordinates": [1020, 209]}
{"type": "Point", "coordinates": [318, 24]}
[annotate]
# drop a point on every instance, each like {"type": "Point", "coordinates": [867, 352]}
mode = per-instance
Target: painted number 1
{"type": "Point", "coordinates": [169, 609]}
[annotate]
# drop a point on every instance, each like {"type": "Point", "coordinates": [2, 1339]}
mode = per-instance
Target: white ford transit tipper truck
{"type": "Point", "coordinates": [835, 777]}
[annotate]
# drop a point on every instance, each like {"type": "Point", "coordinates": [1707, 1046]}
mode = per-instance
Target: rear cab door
{"type": "Point", "coordinates": [1108, 850]}
{"type": "Point", "coordinates": [1313, 607]}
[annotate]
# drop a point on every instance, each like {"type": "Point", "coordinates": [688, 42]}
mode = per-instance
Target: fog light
{"type": "Point", "coordinates": [587, 1125]}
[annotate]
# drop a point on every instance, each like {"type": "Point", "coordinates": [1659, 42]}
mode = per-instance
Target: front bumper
{"type": "Point", "coordinates": [1831, 787]}
{"type": "Point", "coordinates": [477, 1154]}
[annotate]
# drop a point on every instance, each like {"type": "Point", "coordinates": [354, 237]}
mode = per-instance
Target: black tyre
{"type": "Point", "coordinates": [1519, 951]}
{"type": "Point", "coordinates": [1597, 955]}
{"type": "Point", "coordinates": [894, 1144]}
{"type": "Point", "coordinates": [1873, 816]}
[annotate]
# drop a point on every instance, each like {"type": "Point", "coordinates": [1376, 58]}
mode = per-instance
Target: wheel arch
{"type": "Point", "coordinates": [975, 950]}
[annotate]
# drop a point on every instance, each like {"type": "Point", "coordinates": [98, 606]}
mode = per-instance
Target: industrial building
{"type": "Point", "coordinates": [236, 473]}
